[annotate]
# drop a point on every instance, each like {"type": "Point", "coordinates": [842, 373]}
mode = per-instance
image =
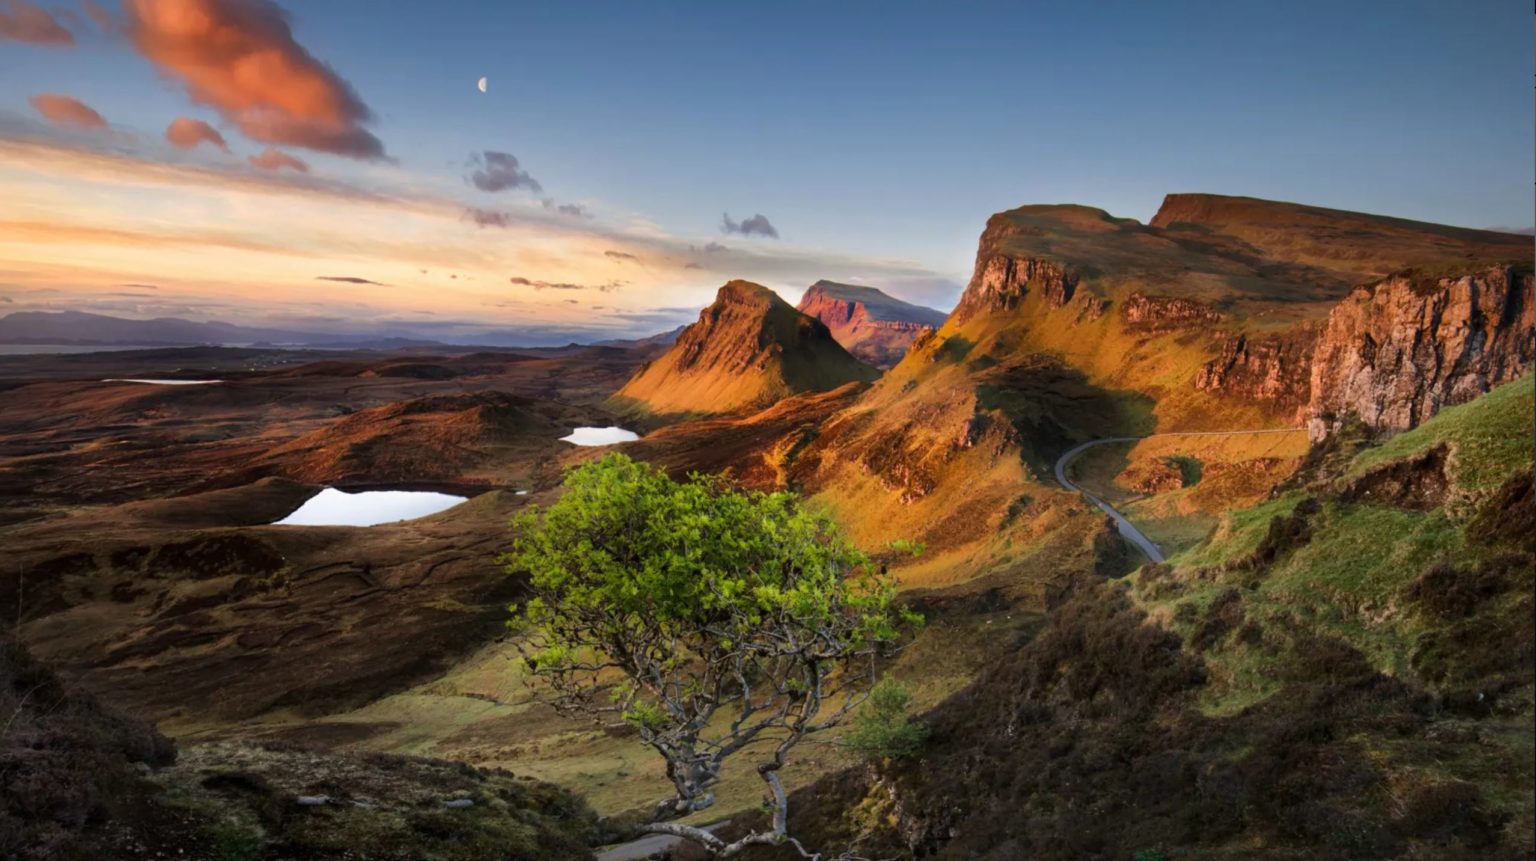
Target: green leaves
{"type": "Point", "coordinates": [666, 602]}
{"type": "Point", "coordinates": [883, 728]}
{"type": "Point", "coordinates": [626, 540]}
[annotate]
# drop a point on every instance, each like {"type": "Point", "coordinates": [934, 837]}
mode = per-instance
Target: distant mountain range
{"type": "Point", "coordinates": [79, 328]}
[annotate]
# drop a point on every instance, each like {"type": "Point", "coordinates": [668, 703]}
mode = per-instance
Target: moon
{"type": "Point", "coordinates": [481, 84]}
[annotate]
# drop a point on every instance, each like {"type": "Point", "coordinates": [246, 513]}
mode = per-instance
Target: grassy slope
{"type": "Point", "coordinates": [484, 713]}
{"type": "Point", "coordinates": [1336, 691]}
{"type": "Point", "coordinates": [1225, 472]}
{"type": "Point", "coordinates": [1354, 580]}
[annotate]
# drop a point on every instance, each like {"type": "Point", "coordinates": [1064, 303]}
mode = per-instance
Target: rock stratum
{"type": "Point", "coordinates": [748, 350]}
{"type": "Point", "coordinates": [875, 327]}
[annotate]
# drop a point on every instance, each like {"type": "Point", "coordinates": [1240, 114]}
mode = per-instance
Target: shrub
{"type": "Point", "coordinates": [883, 727]}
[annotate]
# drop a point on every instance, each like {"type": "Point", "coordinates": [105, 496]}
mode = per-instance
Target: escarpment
{"type": "Point", "coordinates": [1272, 369]}
{"type": "Point", "coordinates": [1001, 282]}
{"type": "Point", "coordinates": [1166, 313]}
{"type": "Point", "coordinates": [1393, 353]}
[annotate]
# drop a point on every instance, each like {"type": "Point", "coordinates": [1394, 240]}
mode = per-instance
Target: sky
{"type": "Point", "coordinates": [332, 165]}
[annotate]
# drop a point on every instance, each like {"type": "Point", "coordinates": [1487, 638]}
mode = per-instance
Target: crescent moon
{"type": "Point", "coordinates": [481, 84]}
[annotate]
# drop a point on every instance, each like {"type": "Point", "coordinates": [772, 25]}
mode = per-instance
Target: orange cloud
{"type": "Point", "coordinates": [67, 111]}
{"type": "Point", "coordinates": [24, 22]}
{"type": "Point", "coordinates": [186, 133]}
{"type": "Point", "coordinates": [271, 159]}
{"type": "Point", "coordinates": [41, 232]}
{"type": "Point", "coordinates": [240, 58]}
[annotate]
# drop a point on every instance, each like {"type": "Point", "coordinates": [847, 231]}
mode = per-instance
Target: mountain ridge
{"type": "Point", "coordinates": [874, 326]}
{"type": "Point", "coordinates": [748, 349]}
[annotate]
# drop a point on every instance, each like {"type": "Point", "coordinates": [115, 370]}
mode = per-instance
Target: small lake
{"type": "Point", "coordinates": [153, 382]}
{"type": "Point", "coordinates": [600, 436]}
{"type": "Point", "coordinates": [332, 507]}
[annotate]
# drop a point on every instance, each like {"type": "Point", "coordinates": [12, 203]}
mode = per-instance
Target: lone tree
{"type": "Point", "coordinates": [715, 621]}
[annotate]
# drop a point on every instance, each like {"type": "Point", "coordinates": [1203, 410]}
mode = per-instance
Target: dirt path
{"type": "Point", "coordinates": [1127, 529]}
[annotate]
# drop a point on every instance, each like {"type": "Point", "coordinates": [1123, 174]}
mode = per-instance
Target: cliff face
{"type": "Point", "coordinates": [1274, 369]}
{"type": "Point", "coordinates": [1395, 352]}
{"type": "Point", "coordinates": [1165, 313]}
{"type": "Point", "coordinates": [1001, 282]}
{"type": "Point", "coordinates": [748, 349]}
{"type": "Point", "coordinates": [875, 327]}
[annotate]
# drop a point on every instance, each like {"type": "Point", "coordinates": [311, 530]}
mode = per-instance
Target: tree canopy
{"type": "Point", "coordinates": [712, 619]}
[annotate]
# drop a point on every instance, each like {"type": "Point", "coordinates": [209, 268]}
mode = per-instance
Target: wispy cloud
{"type": "Point", "coordinates": [240, 58]}
{"type": "Point", "coordinates": [349, 279]}
{"type": "Point", "coordinates": [186, 133]}
{"type": "Point", "coordinates": [499, 171]}
{"type": "Point", "coordinates": [149, 222]}
{"type": "Point", "coordinates": [273, 159]}
{"type": "Point", "coordinates": [22, 21]}
{"type": "Point", "coordinates": [621, 256]}
{"type": "Point", "coordinates": [757, 225]}
{"type": "Point", "coordinates": [101, 17]}
{"type": "Point", "coordinates": [574, 210]}
{"type": "Point", "coordinates": [607, 287]}
{"type": "Point", "coordinates": [67, 111]}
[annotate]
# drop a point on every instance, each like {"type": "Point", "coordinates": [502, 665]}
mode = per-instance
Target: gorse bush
{"type": "Point", "coordinates": [883, 728]}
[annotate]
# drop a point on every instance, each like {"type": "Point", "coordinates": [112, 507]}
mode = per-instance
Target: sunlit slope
{"type": "Point", "coordinates": [1417, 551]}
{"type": "Point", "coordinates": [748, 350]}
{"type": "Point", "coordinates": [1078, 325]}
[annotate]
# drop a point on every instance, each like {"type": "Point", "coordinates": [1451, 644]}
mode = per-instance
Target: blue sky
{"type": "Point", "coordinates": [868, 124]}
{"type": "Point", "coordinates": [890, 131]}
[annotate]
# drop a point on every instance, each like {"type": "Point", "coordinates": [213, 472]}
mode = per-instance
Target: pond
{"type": "Point", "coordinates": [600, 436]}
{"type": "Point", "coordinates": [332, 507]}
{"type": "Point", "coordinates": [153, 382]}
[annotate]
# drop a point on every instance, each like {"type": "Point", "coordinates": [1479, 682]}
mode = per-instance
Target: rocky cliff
{"type": "Point", "coordinates": [875, 327]}
{"type": "Point", "coordinates": [1001, 281]}
{"type": "Point", "coordinates": [1393, 353]}
{"type": "Point", "coordinates": [748, 349]}
{"type": "Point", "coordinates": [1272, 369]}
{"type": "Point", "coordinates": [1145, 313]}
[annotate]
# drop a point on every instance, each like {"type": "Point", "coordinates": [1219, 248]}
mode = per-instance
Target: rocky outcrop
{"type": "Point", "coordinates": [1149, 314]}
{"type": "Point", "coordinates": [748, 350]}
{"type": "Point", "coordinates": [1273, 370]}
{"type": "Point", "coordinates": [1395, 352]}
{"type": "Point", "coordinates": [1001, 279]}
{"type": "Point", "coordinates": [875, 327]}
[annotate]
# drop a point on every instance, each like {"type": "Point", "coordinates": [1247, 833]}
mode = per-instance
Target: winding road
{"type": "Point", "coordinates": [645, 847]}
{"type": "Point", "coordinates": [1127, 529]}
